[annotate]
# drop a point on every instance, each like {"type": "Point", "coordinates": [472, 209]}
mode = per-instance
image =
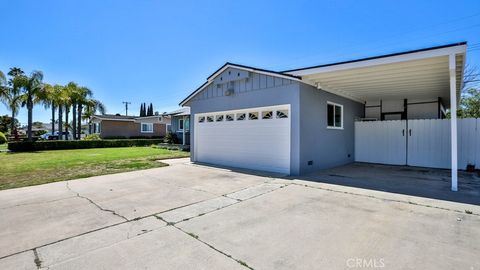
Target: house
{"type": "Point", "coordinates": [302, 120]}
{"type": "Point", "coordinates": [122, 126]}
{"type": "Point", "coordinates": [180, 124]}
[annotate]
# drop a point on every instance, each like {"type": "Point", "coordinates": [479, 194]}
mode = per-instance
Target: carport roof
{"type": "Point", "coordinates": [419, 74]}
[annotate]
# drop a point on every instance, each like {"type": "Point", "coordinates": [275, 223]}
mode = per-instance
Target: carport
{"type": "Point", "coordinates": [416, 78]}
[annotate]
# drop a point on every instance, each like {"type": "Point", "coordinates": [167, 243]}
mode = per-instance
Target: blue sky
{"type": "Point", "coordinates": [160, 51]}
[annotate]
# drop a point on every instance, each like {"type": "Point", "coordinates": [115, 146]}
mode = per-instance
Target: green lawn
{"type": "Point", "coordinates": [3, 146]}
{"type": "Point", "coordinates": [34, 168]}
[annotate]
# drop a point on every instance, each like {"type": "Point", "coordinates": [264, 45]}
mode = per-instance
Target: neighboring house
{"type": "Point", "coordinates": [303, 120]}
{"type": "Point", "coordinates": [130, 126]}
{"type": "Point", "coordinates": [180, 124]}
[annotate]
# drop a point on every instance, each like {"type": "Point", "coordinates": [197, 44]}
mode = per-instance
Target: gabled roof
{"type": "Point", "coordinates": [179, 112]}
{"type": "Point", "coordinates": [115, 117]}
{"type": "Point", "coordinates": [241, 67]}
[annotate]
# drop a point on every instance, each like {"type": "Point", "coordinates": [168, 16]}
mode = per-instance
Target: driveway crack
{"type": "Point", "coordinates": [194, 236]}
{"type": "Point", "coordinates": [94, 203]}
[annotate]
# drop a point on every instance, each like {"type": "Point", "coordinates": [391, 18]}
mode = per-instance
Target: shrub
{"type": "Point", "coordinates": [171, 138]}
{"type": "Point", "coordinates": [82, 144]}
{"type": "Point", "coordinates": [139, 137]}
{"type": "Point", "coordinates": [91, 137]}
{"type": "Point", "coordinates": [115, 138]}
{"type": "Point", "coordinates": [3, 139]}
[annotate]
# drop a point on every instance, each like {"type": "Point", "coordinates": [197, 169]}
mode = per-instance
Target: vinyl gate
{"type": "Point", "coordinates": [424, 143]}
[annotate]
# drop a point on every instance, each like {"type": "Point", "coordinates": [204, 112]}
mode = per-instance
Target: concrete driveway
{"type": "Point", "coordinates": [197, 217]}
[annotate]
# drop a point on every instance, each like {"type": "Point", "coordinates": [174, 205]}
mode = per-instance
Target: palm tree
{"type": "Point", "coordinates": [3, 86]}
{"type": "Point", "coordinates": [83, 97]}
{"type": "Point", "coordinates": [11, 94]}
{"type": "Point", "coordinates": [67, 103]}
{"type": "Point", "coordinates": [60, 97]}
{"type": "Point", "coordinates": [48, 101]}
{"type": "Point", "coordinates": [92, 106]}
{"type": "Point", "coordinates": [32, 93]}
{"type": "Point", "coordinates": [74, 95]}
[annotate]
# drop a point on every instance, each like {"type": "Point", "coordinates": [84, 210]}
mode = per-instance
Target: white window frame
{"type": "Point", "coordinates": [143, 131]}
{"type": "Point", "coordinates": [341, 115]}
{"type": "Point", "coordinates": [98, 128]}
{"type": "Point", "coordinates": [182, 125]}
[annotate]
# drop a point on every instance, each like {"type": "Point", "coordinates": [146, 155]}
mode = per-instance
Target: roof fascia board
{"type": "Point", "coordinates": [110, 119]}
{"type": "Point", "coordinates": [382, 60]}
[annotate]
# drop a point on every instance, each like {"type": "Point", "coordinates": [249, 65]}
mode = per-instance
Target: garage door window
{"type": "Point", "coordinates": [267, 115]}
{"type": "Point", "coordinates": [229, 117]}
{"type": "Point", "coordinates": [219, 118]}
{"type": "Point", "coordinates": [334, 115]}
{"type": "Point", "coordinates": [210, 118]}
{"type": "Point", "coordinates": [282, 114]}
{"type": "Point", "coordinates": [201, 119]}
{"type": "Point", "coordinates": [253, 116]}
{"type": "Point", "coordinates": [240, 116]}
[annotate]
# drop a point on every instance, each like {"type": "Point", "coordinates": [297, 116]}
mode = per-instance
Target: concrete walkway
{"type": "Point", "coordinates": [196, 217]}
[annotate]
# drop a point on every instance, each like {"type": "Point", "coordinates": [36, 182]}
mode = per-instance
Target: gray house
{"type": "Point", "coordinates": [299, 121]}
{"type": "Point", "coordinates": [180, 124]}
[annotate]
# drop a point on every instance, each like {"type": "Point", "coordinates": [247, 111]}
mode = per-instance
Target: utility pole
{"type": "Point", "coordinates": [126, 106]}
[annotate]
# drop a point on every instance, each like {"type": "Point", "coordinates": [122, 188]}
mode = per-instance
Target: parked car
{"type": "Point", "coordinates": [55, 136]}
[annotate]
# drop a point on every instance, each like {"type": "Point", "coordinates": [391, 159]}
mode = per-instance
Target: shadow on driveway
{"type": "Point", "coordinates": [413, 181]}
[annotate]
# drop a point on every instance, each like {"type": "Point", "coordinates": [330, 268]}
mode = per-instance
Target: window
{"type": "Point", "coordinates": [97, 128]}
{"type": "Point", "coordinates": [219, 118]}
{"type": "Point", "coordinates": [241, 116]}
{"type": "Point", "coordinates": [180, 124]}
{"type": "Point", "coordinates": [267, 115]}
{"type": "Point", "coordinates": [210, 118]}
{"type": "Point", "coordinates": [229, 117]}
{"type": "Point", "coordinates": [282, 114]}
{"type": "Point", "coordinates": [201, 119]}
{"type": "Point", "coordinates": [253, 116]}
{"type": "Point", "coordinates": [146, 127]}
{"type": "Point", "coordinates": [334, 115]}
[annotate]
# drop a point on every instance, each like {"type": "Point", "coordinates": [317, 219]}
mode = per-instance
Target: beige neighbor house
{"type": "Point", "coordinates": [122, 126]}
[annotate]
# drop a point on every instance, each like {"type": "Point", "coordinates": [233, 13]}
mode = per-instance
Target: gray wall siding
{"type": "Point", "coordinates": [241, 81]}
{"type": "Point", "coordinates": [275, 95]}
{"type": "Point", "coordinates": [325, 147]}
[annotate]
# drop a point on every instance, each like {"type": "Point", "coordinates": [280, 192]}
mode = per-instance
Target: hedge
{"type": "Point", "coordinates": [59, 145]}
{"type": "Point", "coordinates": [179, 147]}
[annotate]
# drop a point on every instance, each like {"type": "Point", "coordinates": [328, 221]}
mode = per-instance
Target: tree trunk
{"type": "Point", "coordinates": [67, 111]}
{"type": "Point", "coordinates": [79, 121]}
{"type": "Point", "coordinates": [12, 131]}
{"type": "Point", "coordinates": [53, 119]}
{"type": "Point", "coordinates": [30, 120]}
{"type": "Point", "coordinates": [60, 122]}
{"type": "Point", "coordinates": [74, 121]}
{"type": "Point", "coordinates": [89, 127]}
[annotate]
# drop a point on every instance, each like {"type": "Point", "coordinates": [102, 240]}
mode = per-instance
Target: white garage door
{"type": "Point", "coordinates": [254, 138]}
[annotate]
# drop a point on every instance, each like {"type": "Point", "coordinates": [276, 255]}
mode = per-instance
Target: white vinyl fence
{"type": "Point", "coordinates": [424, 143]}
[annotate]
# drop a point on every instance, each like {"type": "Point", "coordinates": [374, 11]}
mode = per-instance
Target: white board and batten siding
{"type": "Point", "coordinates": [261, 144]}
{"type": "Point", "coordinates": [380, 142]}
{"type": "Point", "coordinates": [427, 142]}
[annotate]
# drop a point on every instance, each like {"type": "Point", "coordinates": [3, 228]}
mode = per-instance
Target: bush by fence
{"type": "Point", "coordinates": [59, 145]}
